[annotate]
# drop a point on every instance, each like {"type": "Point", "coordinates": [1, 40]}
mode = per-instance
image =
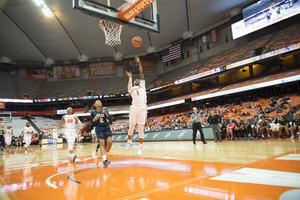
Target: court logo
{"type": "Point", "coordinates": [167, 135]}
{"type": "Point", "coordinates": [181, 135]}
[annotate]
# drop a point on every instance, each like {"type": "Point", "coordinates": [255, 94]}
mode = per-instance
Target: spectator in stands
{"type": "Point", "coordinates": [214, 120]}
{"type": "Point", "coordinates": [255, 127]}
{"type": "Point", "coordinates": [224, 124]}
{"type": "Point", "coordinates": [274, 126]}
{"type": "Point", "coordinates": [295, 129]}
{"type": "Point", "coordinates": [238, 129]}
{"type": "Point", "coordinates": [247, 130]}
{"type": "Point", "coordinates": [264, 127]}
{"type": "Point", "coordinates": [230, 127]}
{"type": "Point", "coordinates": [283, 127]}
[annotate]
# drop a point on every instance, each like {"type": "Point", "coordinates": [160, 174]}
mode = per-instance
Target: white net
{"type": "Point", "coordinates": [112, 31]}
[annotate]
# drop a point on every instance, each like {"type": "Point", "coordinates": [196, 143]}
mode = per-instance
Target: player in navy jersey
{"type": "Point", "coordinates": [101, 120]}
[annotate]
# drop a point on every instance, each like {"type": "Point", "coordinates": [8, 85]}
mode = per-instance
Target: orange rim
{"type": "Point", "coordinates": [110, 28]}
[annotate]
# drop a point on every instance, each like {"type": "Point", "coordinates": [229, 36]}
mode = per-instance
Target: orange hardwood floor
{"type": "Point", "coordinates": [180, 171]}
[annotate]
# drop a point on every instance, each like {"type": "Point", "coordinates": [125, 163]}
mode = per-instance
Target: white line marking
{"type": "Point", "coordinates": [261, 176]}
{"type": "Point", "coordinates": [289, 157]}
{"type": "Point", "coordinates": [48, 180]}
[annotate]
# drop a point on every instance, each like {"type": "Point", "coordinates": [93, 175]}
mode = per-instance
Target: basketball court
{"type": "Point", "coordinates": [176, 170]}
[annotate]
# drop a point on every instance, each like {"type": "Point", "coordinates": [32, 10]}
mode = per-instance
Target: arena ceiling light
{"type": "Point", "coordinates": [45, 9]}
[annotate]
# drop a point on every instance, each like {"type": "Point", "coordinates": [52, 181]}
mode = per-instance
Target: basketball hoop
{"type": "Point", "coordinates": [112, 31]}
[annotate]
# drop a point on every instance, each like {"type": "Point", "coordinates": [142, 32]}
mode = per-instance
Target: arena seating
{"type": "Point", "coordinates": [242, 111]}
{"type": "Point", "coordinates": [45, 124]}
{"type": "Point", "coordinates": [273, 41]}
{"type": "Point", "coordinates": [71, 88]}
{"type": "Point", "coordinates": [14, 87]}
{"type": "Point", "coordinates": [231, 111]}
{"type": "Point", "coordinates": [8, 87]}
{"type": "Point", "coordinates": [285, 37]}
{"type": "Point", "coordinates": [27, 86]}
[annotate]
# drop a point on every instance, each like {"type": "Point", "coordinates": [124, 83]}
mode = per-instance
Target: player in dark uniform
{"type": "Point", "coordinates": [101, 119]}
{"type": "Point", "coordinates": [2, 141]}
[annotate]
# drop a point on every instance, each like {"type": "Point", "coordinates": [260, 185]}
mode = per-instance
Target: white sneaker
{"type": "Point", "coordinates": [141, 146]}
{"type": "Point", "coordinates": [139, 152]}
{"type": "Point", "coordinates": [128, 145]}
{"type": "Point", "coordinates": [26, 152]}
{"type": "Point", "coordinates": [292, 137]}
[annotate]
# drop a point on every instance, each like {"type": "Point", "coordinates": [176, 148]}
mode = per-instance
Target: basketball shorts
{"type": "Point", "coordinates": [8, 139]}
{"type": "Point", "coordinates": [138, 115]}
{"type": "Point", "coordinates": [70, 135]}
{"type": "Point", "coordinates": [27, 140]}
{"type": "Point", "coordinates": [103, 132]}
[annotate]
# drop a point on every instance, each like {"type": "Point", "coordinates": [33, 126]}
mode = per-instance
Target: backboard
{"type": "Point", "coordinates": [108, 9]}
{"type": "Point", "coordinates": [5, 117]}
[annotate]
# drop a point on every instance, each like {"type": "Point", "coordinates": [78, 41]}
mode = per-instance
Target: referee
{"type": "Point", "coordinates": [195, 120]}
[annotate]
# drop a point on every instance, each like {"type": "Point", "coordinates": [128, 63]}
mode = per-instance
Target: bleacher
{"type": "Point", "coordinates": [45, 124]}
{"type": "Point", "coordinates": [7, 86]}
{"type": "Point", "coordinates": [12, 86]}
{"type": "Point", "coordinates": [285, 37]}
{"type": "Point", "coordinates": [27, 86]}
{"type": "Point", "coordinates": [73, 88]}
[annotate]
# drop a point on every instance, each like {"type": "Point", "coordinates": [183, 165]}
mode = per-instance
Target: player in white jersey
{"type": "Point", "coordinates": [138, 109]}
{"type": "Point", "coordinates": [69, 120]}
{"type": "Point", "coordinates": [27, 131]}
{"type": "Point", "coordinates": [55, 135]}
{"type": "Point", "coordinates": [8, 137]}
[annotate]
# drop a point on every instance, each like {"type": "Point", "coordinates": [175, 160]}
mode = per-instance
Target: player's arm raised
{"type": "Point", "coordinates": [137, 59]}
{"type": "Point", "coordinates": [129, 74]}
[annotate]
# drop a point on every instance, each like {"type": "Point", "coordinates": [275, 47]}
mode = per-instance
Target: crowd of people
{"type": "Point", "coordinates": [254, 119]}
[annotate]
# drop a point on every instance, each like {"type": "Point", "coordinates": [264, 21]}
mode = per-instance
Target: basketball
{"type": "Point", "coordinates": [137, 41]}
